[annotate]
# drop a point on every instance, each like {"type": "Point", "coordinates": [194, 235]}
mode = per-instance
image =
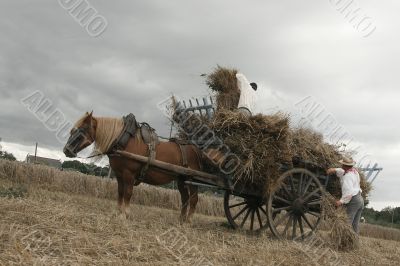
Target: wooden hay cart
{"type": "Point", "coordinates": [293, 210]}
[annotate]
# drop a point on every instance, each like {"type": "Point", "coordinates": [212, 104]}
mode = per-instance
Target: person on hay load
{"type": "Point", "coordinates": [247, 95]}
{"type": "Point", "coordinates": [351, 191]}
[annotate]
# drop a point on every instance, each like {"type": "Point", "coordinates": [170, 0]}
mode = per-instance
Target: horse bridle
{"type": "Point", "coordinates": [78, 133]}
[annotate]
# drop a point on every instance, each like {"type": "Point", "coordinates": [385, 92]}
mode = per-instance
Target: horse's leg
{"type": "Point", "coordinates": [120, 194]}
{"type": "Point", "coordinates": [194, 198]}
{"type": "Point", "coordinates": [183, 190]}
{"type": "Point", "coordinates": [128, 179]}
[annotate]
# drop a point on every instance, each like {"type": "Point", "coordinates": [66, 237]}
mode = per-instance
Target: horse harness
{"type": "Point", "coordinates": [182, 144]}
{"type": "Point", "coordinates": [150, 138]}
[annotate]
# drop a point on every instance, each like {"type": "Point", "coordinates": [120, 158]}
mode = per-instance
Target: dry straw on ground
{"type": "Point", "coordinates": [342, 235]}
{"type": "Point", "coordinates": [55, 228]}
{"type": "Point", "coordinates": [42, 177]}
{"type": "Point", "coordinates": [72, 182]}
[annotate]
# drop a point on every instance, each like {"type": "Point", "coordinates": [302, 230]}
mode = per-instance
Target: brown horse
{"type": "Point", "coordinates": [104, 131]}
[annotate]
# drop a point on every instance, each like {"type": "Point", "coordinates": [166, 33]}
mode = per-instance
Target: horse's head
{"type": "Point", "coordinates": [81, 136]}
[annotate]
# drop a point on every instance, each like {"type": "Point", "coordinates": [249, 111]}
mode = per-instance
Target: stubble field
{"type": "Point", "coordinates": [48, 217]}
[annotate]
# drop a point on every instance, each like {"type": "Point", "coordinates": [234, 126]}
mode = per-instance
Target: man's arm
{"type": "Point", "coordinates": [339, 172]}
{"type": "Point", "coordinates": [331, 171]}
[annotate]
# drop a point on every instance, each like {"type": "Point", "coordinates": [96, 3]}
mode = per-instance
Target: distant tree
{"type": "Point", "coordinates": [397, 215]}
{"type": "Point", "coordinates": [99, 171]}
{"type": "Point", "coordinates": [386, 214]}
{"type": "Point", "coordinates": [102, 171]}
{"type": "Point", "coordinates": [89, 169]}
{"type": "Point", "coordinates": [7, 156]}
{"type": "Point", "coordinates": [77, 165]}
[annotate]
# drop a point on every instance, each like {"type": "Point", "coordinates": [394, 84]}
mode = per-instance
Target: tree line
{"type": "Point", "coordinates": [88, 169]}
{"type": "Point", "coordinates": [7, 156]}
{"type": "Point", "coordinates": [386, 217]}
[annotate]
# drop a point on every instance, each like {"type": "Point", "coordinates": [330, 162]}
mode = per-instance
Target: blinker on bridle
{"type": "Point", "coordinates": [78, 133]}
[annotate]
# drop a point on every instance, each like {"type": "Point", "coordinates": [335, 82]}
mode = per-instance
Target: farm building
{"type": "Point", "coordinates": [43, 161]}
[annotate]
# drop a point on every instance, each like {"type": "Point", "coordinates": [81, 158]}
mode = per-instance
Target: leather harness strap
{"type": "Point", "coordinates": [199, 158]}
{"type": "Point", "coordinates": [183, 145]}
{"type": "Point", "coordinates": [150, 138]}
{"type": "Point", "coordinates": [184, 155]}
{"type": "Point", "coordinates": [130, 127]}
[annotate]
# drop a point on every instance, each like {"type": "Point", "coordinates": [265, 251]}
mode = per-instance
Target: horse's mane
{"type": "Point", "coordinates": [108, 129]}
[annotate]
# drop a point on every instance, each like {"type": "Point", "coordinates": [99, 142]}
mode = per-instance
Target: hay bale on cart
{"type": "Point", "coordinates": [265, 142]}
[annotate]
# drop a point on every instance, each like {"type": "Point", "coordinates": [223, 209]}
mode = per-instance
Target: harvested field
{"type": "Point", "coordinates": [40, 224]}
{"type": "Point", "coordinates": [76, 183]}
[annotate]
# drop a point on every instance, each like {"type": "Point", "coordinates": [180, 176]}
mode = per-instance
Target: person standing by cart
{"type": "Point", "coordinates": [351, 191]}
{"type": "Point", "coordinates": [247, 95]}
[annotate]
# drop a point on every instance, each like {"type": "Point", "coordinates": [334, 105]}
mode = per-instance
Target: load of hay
{"type": "Point", "coordinates": [248, 139]}
{"type": "Point", "coordinates": [223, 82]}
{"type": "Point", "coordinates": [309, 145]}
{"type": "Point", "coordinates": [263, 142]}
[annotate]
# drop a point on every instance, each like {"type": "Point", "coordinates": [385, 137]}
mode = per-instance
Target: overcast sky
{"type": "Point", "coordinates": [151, 49]}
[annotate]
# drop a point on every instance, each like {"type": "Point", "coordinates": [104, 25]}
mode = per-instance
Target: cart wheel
{"type": "Point", "coordinates": [247, 213]}
{"type": "Point", "coordinates": [296, 203]}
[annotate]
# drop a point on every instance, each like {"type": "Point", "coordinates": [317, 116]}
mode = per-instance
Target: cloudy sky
{"type": "Point", "coordinates": [343, 54]}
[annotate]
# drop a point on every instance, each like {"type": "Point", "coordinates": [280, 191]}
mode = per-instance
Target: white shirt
{"type": "Point", "coordinates": [350, 182]}
{"type": "Point", "coordinates": [247, 93]}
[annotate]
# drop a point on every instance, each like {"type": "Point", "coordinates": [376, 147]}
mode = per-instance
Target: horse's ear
{"type": "Point", "coordinates": [91, 118]}
{"type": "Point", "coordinates": [88, 117]}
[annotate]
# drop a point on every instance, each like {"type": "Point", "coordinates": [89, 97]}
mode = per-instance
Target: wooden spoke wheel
{"type": "Point", "coordinates": [295, 207]}
{"type": "Point", "coordinates": [246, 212]}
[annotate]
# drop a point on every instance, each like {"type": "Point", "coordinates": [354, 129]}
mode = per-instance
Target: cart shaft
{"type": "Point", "coordinates": [197, 175]}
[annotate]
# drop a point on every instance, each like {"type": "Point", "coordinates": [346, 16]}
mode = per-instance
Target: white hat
{"type": "Point", "coordinates": [347, 161]}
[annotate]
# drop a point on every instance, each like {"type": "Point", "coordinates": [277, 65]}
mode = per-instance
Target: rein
{"type": "Point", "coordinates": [92, 156]}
